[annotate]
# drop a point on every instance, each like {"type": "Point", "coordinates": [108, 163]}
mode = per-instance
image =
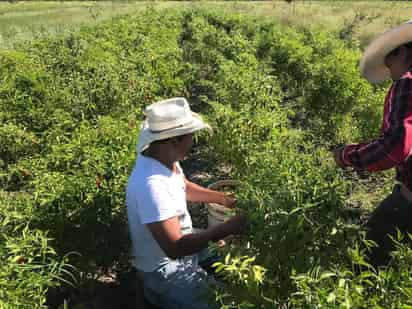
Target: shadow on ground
{"type": "Point", "coordinates": [125, 292]}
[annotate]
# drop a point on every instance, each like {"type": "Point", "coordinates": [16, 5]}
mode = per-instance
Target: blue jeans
{"type": "Point", "coordinates": [393, 213]}
{"type": "Point", "coordinates": [180, 284]}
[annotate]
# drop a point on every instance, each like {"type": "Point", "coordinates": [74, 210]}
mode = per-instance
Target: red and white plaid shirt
{"type": "Point", "coordinates": [393, 148]}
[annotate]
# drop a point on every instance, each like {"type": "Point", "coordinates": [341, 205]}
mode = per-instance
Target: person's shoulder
{"type": "Point", "coordinates": [148, 175]}
{"type": "Point", "coordinates": [146, 167]}
{"type": "Point", "coordinates": [144, 188]}
{"type": "Point", "coordinates": [157, 180]}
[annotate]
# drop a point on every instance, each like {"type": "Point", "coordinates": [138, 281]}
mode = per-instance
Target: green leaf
{"type": "Point", "coordinates": [331, 297]}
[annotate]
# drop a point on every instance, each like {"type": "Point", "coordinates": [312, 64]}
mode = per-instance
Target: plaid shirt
{"type": "Point", "coordinates": [394, 146]}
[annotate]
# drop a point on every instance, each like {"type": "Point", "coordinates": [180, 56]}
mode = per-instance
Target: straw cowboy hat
{"type": "Point", "coordinates": [166, 119]}
{"type": "Point", "coordinates": [372, 65]}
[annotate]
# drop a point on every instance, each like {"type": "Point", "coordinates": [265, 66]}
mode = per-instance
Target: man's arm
{"type": "Point", "coordinates": [394, 146]}
{"type": "Point", "coordinates": [196, 193]}
{"type": "Point", "coordinates": [175, 245]}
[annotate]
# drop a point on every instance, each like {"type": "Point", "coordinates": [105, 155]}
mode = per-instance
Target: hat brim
{"type": "Point", "coordinates": [146, 136]}
{"type": "Point", "coordinates": [372, 65]}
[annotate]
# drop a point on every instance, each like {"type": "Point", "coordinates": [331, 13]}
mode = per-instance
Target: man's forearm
{"type": "Point", "coordinates": [193, 243]}
{"type": "Point", "coordinates": [196, 193]}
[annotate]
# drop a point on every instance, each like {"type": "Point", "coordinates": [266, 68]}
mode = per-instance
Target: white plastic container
{"type": "Point", "coordinates": [216, 213]}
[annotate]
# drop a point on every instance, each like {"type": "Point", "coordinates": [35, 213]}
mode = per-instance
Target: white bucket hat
{"type": "Point", "coordinates": [166, 119]}
{"type": "Point", "coordinates": [372, 65]}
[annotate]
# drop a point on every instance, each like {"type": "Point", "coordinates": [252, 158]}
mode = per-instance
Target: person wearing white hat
{"type": "Point", "coordinates": [164, 246]}
{"type": "Point", "coordinates": [388, 56]}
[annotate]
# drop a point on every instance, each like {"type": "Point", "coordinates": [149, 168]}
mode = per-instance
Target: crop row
{"type": "Point", "coordinates": [278, 99]}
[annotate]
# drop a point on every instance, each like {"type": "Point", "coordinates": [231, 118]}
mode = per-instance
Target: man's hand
{"type": "Point", "coordinates": [235, 225]}
{"type": "Point", "coordinates": [228, 200]}
{"type": "Point", "coordinates": [221, 243]}
{"type": "Point", "coordinates": [337, 154]}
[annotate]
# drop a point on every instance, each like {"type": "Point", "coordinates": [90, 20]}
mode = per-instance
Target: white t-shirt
{"type": "Point", "coordinates": [154, 193]}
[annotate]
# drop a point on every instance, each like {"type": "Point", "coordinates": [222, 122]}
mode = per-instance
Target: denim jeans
{"type": "Point", "coordinates": [180, 284]}
{"type": "Point", "coordinates": [395, 212]}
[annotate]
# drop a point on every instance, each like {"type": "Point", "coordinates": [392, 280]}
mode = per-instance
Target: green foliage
{"type": "Point", "coordinates": [244, 276]}
{"type": "Point", "coordinates": [85, 206]}
{"type": "Point", "coordinates": [30, 265]}
{"type": "Point", "coordinates": [61, 146]}
{"type": "Point", "coordinates": [278, 98]}
{"type": "Point", "coordinates": [16, 143]}
{"type": "Point", "coordinates": [349, 288]}
{"type": "Point", "coordinates": [322, 74]}
{"type": "Point", "coordinates": [24, 91]}
{"type": "Point", "coordinates": [293, 194]}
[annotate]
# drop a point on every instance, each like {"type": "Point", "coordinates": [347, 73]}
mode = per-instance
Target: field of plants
{"type": "Point", "coordinates": [28, 20]}
{"type": "Point", "coordinates": [352, 20]}
{"type": "Point", "coordinates": [279, 98]}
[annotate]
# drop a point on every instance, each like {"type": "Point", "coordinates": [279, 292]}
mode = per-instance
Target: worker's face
{"type": "Point", "coordinates": [184, 145]}
{"type": "Point", "coordinates": [398, 63]}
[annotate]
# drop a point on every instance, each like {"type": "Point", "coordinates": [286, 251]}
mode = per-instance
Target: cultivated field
{"type": "Point", "coordinates": [25, 20]}
{"type": "Point", "coordinates": [280, 85]}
